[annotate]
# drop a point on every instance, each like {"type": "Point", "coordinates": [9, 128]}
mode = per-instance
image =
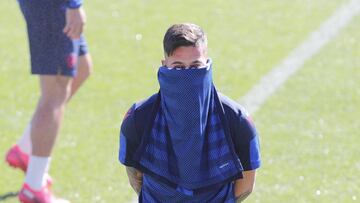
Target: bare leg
{"type": "Point", "coordinates": [83, 72]}
{"type": "Point", "coordinates": [55, 91]}
{"type": "Point", "coordinates": [55, 94]}
{"type": "Point", "coordinates": [45, 125]}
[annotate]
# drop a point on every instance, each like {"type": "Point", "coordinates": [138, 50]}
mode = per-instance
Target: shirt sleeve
{"type": "Point", "coordinates": [246, 141]}
{"type": "Point", "coordinates": [74, 3]}
{"type": "Point", "coordinates": [128, 135]}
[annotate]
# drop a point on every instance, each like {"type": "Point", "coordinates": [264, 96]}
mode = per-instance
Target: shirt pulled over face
{"type": "Point", "coordinates": [187, 148]}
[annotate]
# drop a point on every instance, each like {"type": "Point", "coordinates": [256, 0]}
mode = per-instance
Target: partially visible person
{"type": "Point", "coordinates": [60, 58]}
{"type": "Point", "coordinates": [188, 142]}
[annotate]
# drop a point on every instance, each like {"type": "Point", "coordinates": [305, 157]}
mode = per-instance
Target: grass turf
{"type": "Point", "coordinates": [246, 39]}
{"type": "Point", "coordinates": [310, 129]}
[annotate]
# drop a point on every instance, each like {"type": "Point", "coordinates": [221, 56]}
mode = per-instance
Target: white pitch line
{"type": "Point", "coordinates": [272, 81]}
{"type": "Point", "coordinates": [253, 100]}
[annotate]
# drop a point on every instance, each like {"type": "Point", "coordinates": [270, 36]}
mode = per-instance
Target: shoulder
{"type": "Point", "coordinates": [138, 112]}
{"type": "Point", "coordinates": [145, 104]}
{"type": "Point", "coordinates": [243, 133]}
{"type": "Point", "coordinates": [241, 125]}
{"type": "Point", "coordinates": [232, 107]}
{"type": "Point", "coordinates": [132, 127]}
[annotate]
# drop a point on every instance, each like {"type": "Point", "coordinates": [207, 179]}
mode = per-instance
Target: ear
{"type": "Point", "coordinates": [163, 62]}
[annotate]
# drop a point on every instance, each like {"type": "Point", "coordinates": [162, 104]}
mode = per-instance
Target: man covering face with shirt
{"type": "Point", "coordinates": [188, 142]}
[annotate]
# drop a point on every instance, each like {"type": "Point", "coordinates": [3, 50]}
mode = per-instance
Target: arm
{"type": "Point", "coordinates": [244, 186]}
{"type": "Point", "coordinates": [75, 19]}
{"type": "Point", "coordinates": [135, 178]}
{"type": "Point", "coordinates": [128, 147]}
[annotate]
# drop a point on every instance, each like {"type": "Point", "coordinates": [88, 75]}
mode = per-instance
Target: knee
{"type": "Point", "coordinates": [85, 66]}
{"type": "Point", "coordinates": [56, 96]}
{"type": "Point", "coordinates": [88, 70]}
{"type": "Point", "coordinates": [52, 103]}
{"type": "Point", "coordinates": [89, 67]}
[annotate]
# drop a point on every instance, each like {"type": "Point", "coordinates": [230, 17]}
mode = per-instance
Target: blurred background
{"type": "Point", "coordinates": [309, 127]}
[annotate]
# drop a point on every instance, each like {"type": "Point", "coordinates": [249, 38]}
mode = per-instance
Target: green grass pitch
{"type": "Point", "coordinates": [309, 128]}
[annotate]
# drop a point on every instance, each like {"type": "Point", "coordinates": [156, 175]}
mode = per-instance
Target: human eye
{"type": "Point", "coordinates": [179, 66]}
{"type": "Point", "coordinates": [196, 65]}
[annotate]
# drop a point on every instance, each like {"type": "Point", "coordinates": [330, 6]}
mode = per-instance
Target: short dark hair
{"type": "Point", "coordinates": [184, 34]}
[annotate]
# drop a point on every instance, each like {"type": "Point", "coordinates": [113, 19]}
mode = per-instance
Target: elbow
{"type": "Point", "coordinates": [251, 189]}
{"type": "Point", "coordinates": [85, 66]}
{"type": "Point", "coordinates": [244, 194]}
{"type": "Point", "coordinates": [90, 69]}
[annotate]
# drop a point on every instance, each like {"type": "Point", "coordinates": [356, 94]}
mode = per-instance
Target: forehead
{"type": "Point", "coordinates": [189, 52]}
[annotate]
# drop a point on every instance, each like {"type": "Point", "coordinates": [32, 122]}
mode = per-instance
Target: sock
{"type": "Point", "coordinates": [25, 141]}
{"type": "Point", "coordinates": [37, 172]}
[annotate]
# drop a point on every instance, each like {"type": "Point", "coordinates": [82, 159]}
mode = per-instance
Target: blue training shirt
{"type": "Point", "coordinates": [244, 138]}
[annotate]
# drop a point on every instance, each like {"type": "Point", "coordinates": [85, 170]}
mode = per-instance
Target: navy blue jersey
{"type": "Point", "coordinates": [244, 140]}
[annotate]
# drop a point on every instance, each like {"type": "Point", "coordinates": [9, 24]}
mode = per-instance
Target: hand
{"type": "Point", "coordinates": [75, 21]}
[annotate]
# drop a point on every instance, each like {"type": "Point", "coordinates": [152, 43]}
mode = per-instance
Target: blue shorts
{"type": "Point", "coordinates": [51, 51]}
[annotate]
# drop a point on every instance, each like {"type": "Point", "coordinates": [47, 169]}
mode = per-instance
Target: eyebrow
{"type": "Point", "coordinates": [197, 61]}
{"type": "Point", "coordinates": [179, 62]}
{"type": "Point", "coordinates": [176, 62]}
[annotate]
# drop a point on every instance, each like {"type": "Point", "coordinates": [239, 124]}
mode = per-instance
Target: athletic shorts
{"type": "Point", "coordinates": [51, 51]}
